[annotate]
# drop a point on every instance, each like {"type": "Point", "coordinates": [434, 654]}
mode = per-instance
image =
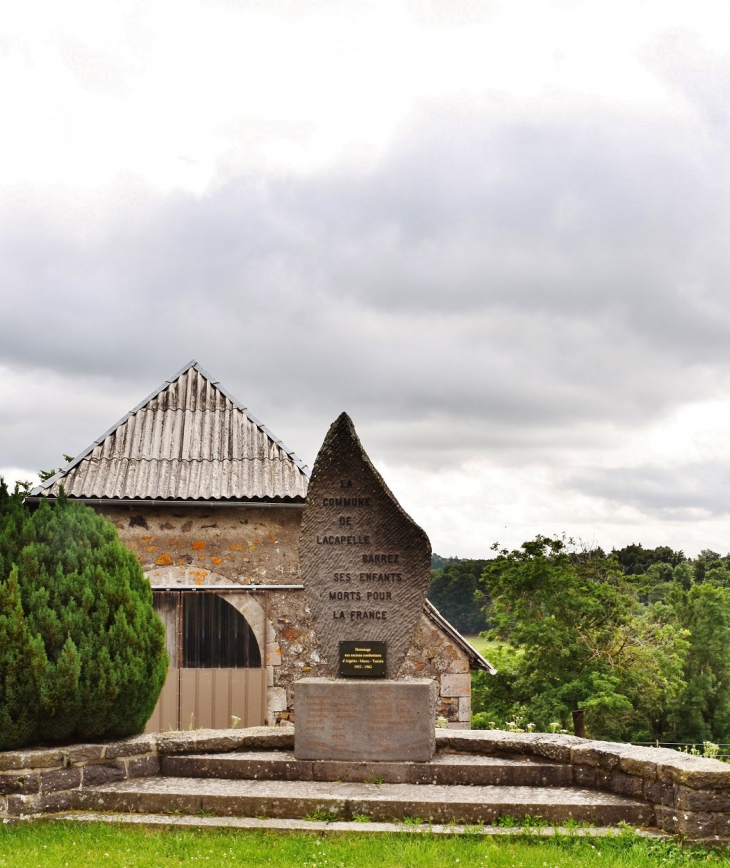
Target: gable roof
{"type": "Point", "coordinates": [189, 440]}
{"type": "Point", "coordinates": [476, 660]}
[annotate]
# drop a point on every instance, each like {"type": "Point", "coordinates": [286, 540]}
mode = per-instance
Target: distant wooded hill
{"type": "Point", "coordinates": [461, 594]}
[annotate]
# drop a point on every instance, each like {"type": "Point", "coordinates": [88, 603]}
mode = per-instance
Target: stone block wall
{"type": "Point", "coordinates": [48, 780]}
{"type": "Point", "coordinates": [242, 545]}
{"type": "Point", "coordinates": [690, 795]}
{"type": "Point", "coordinates": [45, 780]}
{"type": "Point", "coordinates": [207, 546]}
{"type": "Point", "coordinates": [435, 655]}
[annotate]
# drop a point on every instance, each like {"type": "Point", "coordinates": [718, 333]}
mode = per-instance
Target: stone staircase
{"type": "Point", "coordinates": [236, 778]}
{"type": "Point", "coordinates": [454, 788]}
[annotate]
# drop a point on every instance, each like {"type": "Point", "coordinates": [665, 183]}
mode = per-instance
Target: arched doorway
{"type": "Point", "coordinates": [216, 635]}
{"type": "Point", "coordinates": [216, 678]}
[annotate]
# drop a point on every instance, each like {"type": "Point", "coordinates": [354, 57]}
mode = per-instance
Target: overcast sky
{"type": "Point", "coordinates": [495, 233]}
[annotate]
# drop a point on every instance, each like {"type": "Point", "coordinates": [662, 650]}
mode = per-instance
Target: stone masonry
{"type": "Point", "coordinates": [233, 545]}
{"type": "Point", "coordinates": [686, 795]}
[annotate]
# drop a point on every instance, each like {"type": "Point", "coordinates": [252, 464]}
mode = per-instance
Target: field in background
{"type": "Point", "coordinates": [481, 645]}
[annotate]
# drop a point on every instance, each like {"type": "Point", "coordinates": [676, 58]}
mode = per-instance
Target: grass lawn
{"type": "Point", "coordinates": [481, 645]}
{"type": "Point", "coordinates": [101, 845]}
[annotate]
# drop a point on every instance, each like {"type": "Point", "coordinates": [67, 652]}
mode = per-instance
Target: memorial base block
{"type": "Point", "coordinates": [354, 719]}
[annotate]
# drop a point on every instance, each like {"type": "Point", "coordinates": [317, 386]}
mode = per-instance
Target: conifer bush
{"type": "Point", "coordinates": [82, 652]}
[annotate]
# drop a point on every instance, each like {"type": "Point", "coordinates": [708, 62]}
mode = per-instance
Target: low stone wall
{"type": "Point", "coordinates": [690, 795]}
{"type": "Point", "coordinates": [45, 780]}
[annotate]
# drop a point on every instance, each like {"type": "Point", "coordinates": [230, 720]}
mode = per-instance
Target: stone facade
{"type": "Point", "coordinates": [435, 655]}
{"type": "Point", "coordinates": [178, 544]}
{"type": "Point", "coordinates": [243, 545]}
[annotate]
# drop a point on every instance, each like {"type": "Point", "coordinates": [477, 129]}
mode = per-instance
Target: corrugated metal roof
{"type": "Point", "coordinates": [189, 440]}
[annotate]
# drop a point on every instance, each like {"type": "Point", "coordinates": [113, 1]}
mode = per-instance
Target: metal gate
{"type": "Point", "coordinates": [217, 675]}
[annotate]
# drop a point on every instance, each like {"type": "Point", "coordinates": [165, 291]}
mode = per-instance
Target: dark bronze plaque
{"type": "Point", "coordinates": [362, 660]}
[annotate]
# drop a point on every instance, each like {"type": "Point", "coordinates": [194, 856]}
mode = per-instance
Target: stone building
{"type": "Point", "coordinates": [210, 501]}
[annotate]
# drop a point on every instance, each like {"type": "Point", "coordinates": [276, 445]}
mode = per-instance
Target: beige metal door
{"type": "Point", "coordinates": [222, 698]}
{"type": "Point", "coordinates": [201, 691]}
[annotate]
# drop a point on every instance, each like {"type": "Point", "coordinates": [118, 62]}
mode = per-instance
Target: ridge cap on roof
{"type": "Point", "coordinates": [301, 466]}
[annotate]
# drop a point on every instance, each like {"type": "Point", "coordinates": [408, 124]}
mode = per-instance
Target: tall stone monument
{"type": "Point", "coordinates": [366, 567]}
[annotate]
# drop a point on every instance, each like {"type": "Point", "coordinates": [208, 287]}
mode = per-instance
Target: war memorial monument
{"type": "Point", "coordinates": [366, 569]}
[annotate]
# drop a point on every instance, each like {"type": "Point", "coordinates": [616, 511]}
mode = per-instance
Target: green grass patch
{"type": "Point", "coordinates": [483, 646]}
{"type": "Point", "coordinates": [101, 845]}
{"type": "Point", "coordinates": [322, 816]}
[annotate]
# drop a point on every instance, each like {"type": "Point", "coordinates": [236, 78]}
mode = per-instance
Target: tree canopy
{"type": "Point", "coordinates": [459, 594]}
{"type": "Point", "coordinates": [635, 645]}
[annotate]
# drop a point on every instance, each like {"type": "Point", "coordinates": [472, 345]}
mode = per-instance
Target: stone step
{"type": "Point", "coordinates": [379, 802]}
{"type": "Point", "coordinates": [445, 768]}
{"type": "Point", "coordinates": [345, 827]}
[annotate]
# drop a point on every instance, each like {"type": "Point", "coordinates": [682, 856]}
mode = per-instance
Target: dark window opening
{"type": "Point", "coordinates": [213, 634]}
{"type": "Point", "coordinates": [216, 635]}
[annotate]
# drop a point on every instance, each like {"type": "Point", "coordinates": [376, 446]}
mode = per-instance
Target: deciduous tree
{"type": "Point", "coordinates": [590, 651]}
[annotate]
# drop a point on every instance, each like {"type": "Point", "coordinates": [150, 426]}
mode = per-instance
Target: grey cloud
{"type": "Point", "coordinates": [506, 277]}
{"type": "Point", "coordinates": [693, 492]}
{"type": "Point", "coordinates": [680, 59]}
{"type": "Point", "coordinates": [44, 414]}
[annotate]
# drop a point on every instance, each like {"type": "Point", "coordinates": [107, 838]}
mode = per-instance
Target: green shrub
{"type": "Point", "coordinates": [22, 658]}
{"type": "Point", "coordinates": [82, 653]}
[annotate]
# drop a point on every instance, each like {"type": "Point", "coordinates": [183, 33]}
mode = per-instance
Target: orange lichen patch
{"type": "Point", "coordinates": [229, 558]}
{"type": "Point", "coordinates": [272, 538]}
{"type": "Point", "coordinates": [199, 576]}
{"type": "Point", "coordinates": [151, 548]}
{"type": "Point", "coordinates": [198, 544]}
{"type": "Point", "coordinates": [146, 538]}
{"type": "Point", "coordinates": [235, 547]}
{"type": "Point", "coordinates": [216, 561]}
{"type": "Point", "coordinates": [164, 560]}
{"type": "Point", "coordinates": [290, 633]}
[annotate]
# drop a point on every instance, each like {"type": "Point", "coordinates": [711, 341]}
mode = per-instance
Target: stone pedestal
{"type": "Point", "coordinates": [356, 719]}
